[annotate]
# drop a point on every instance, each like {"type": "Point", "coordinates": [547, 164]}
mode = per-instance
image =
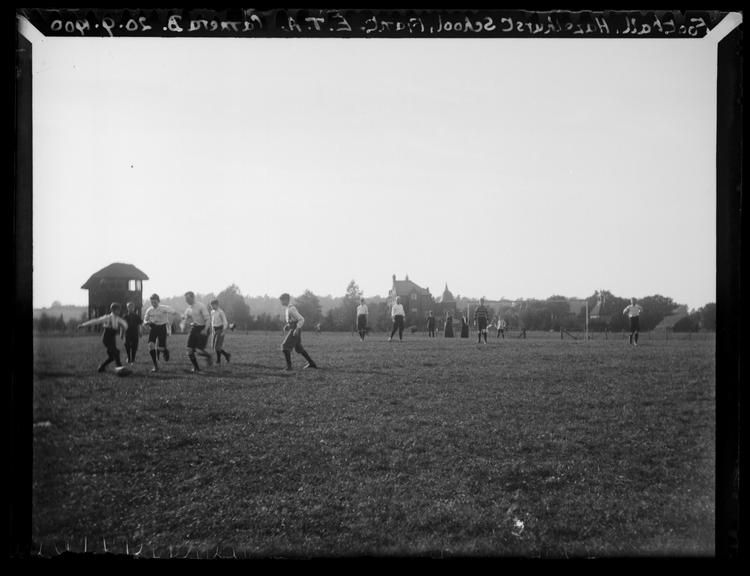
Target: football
{"type": "Point", "coordinates": [123, 371]}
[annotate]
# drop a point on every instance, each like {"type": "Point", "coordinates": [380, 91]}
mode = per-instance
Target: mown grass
{"type": "Point", "coordinates": [536, 447]}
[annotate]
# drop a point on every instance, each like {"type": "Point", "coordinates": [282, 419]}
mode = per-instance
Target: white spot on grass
{"type": "Point", "coordinates": [43, 424]}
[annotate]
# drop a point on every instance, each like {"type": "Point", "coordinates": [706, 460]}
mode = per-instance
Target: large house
{"type": "Point", "coordinates": [417, 301]}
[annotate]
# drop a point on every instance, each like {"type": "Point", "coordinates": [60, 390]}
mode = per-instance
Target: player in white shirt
{"type": "Point", "coordinates": [397, 315]}
{"type": "Point", "coordinates": [362, 314]}
{"type": "Point", "coordinates": [158, 318]}
{"type": "Point", "coordinates": [113, 325]}
{"type": "Point", "coordinates": [219, 325]}
{"type": "Point", "coordinates": [293, 333]}
{"type": "Point", "coordinates": [196, 315]}
{"type": "Point", "coordinates": [501, 324]}
{"type": "Point", "coordinates": [633, 311]}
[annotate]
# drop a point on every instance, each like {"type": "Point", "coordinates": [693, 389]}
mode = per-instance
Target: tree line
{"type": "Point", "coordinates": [338, 314]}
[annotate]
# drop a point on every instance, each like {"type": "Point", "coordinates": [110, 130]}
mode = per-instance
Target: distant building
{"type": "Point", "coordinates": [668, 322]}
{"type": "Point", "coordinates": [447, 301]}
{"type": "Point", "coordinates": [117, 282]}
{"type": "Point", "coordinates": [600, 312]}
{"type": "Point", "coordinates": [417, 301]}
{"type": "Point", "coordinates": [576, 306]}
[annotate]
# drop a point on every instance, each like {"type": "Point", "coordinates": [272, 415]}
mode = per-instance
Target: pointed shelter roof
{"type": "Point", "coordinates": [115, 270]}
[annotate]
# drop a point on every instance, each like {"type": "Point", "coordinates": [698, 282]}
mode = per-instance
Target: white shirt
{"type": "Point", "coordinates": [632, 310]}
{"type": "Point", "coordinates": [362, 310]}
{"type": "Point", "coordinates": [292, 315]}
{"type": "Point", "coordinates": [158, 315]}
{"type": "Point", "coordinates": [397, 310]}
{"type": "Point", "coordinates": [218, 318]}
{"type": "Point", "coordinates": [197, 313]}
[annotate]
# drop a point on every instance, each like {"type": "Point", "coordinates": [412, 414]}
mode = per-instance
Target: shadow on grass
{"type": "Point", "coordinates": [335, 370]}
{"type": "Point", "coordinates": [41, 375]}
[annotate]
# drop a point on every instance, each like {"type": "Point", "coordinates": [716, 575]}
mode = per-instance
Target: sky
{"type": "Point", "coordinates": [504, 168]}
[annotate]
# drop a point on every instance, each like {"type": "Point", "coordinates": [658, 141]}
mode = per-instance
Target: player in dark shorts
{"type": "Point", "coordinates": [481, 319]}
{"type": "Point", "coordinates": [501, 328]}
{"type": "Point", "coordinates": [362, 314]}
{"type": "Point", "coordinates": [133, 333]}
{"type": "Point", "coordinates": [397, 315]}
{"type": "Point", "coordinates": [199, 319]}
{"type": "Point", "coordinates": [156, 317]}
{"type": "Point", "coordinates": [633, 311]}
{"type": "Point", "coordinates": [430, 325]}
{"type": "Point", "coordinates": [293, 334]}
{"type": "Point", "coordinates": [113, 325]}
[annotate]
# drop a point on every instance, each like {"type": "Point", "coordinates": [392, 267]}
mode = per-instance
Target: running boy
{"type": "Point", "coordinates": [197, 315]}
{"type": "Point", "coordinates": [133, 333]}
{"type": "Point", "coordinates": [113, 325]}
{"type": "Point", "coordinates": [293, 334]}
{"type": "Point", "coordinates": [219, 324]}
{"type": "Point", "coordinates": [633, 311]}
{"type": "Point", "coordinates": [157, 317]}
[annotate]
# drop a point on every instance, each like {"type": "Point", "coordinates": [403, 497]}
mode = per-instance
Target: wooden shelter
{"type": "Point", "coordinates": [117, 282]}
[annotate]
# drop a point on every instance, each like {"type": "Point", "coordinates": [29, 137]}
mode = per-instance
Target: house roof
{"type": "Point", "coordinates": [596, 312]}
{"type": "Point", "coordinates": [405, 287]}
{"type": "Point", "coordinates": [115, 270]}
{"type": "Point", "coordinates": [669, 321]}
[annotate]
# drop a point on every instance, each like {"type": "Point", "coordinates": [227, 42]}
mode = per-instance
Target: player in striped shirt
{"type": "Point", "coordinates": [481, 319]}
{"type": "Point", "coordinates": [157, 317]}
{"type": "Point", "coordinates": [633, 311]}
{"type": "Point", "coordinates": [293, 333]}
{"type": "Point", "coordinates": [113, 325]}
{"type": "Point", "coordinates": [219, 324]}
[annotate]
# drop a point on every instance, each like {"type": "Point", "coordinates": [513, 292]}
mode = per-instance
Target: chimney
{"type": "Point", "coordinates": [394, 278]}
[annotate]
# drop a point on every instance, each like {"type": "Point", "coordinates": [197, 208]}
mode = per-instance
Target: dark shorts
{"type": "Point", "coordinates": [158, 332]}
{"type": "Point", "coordinates": [218, 340]}
{"type": "Point", "coordinates": [361, 322]}
{"type": "Point", "coordinates": [197, 338]}
{"type": "Point", "coordinates": [292, 342]}
{"type": "Point", "coordinates": [634, 323]}
{"type": "Point", "coordinates": [109, 338]}
{"type": "Point", "coordinates": [482, 323]}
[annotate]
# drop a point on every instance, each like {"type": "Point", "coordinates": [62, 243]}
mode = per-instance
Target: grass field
{"type": "Point", "coordinates": [536, 447]}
